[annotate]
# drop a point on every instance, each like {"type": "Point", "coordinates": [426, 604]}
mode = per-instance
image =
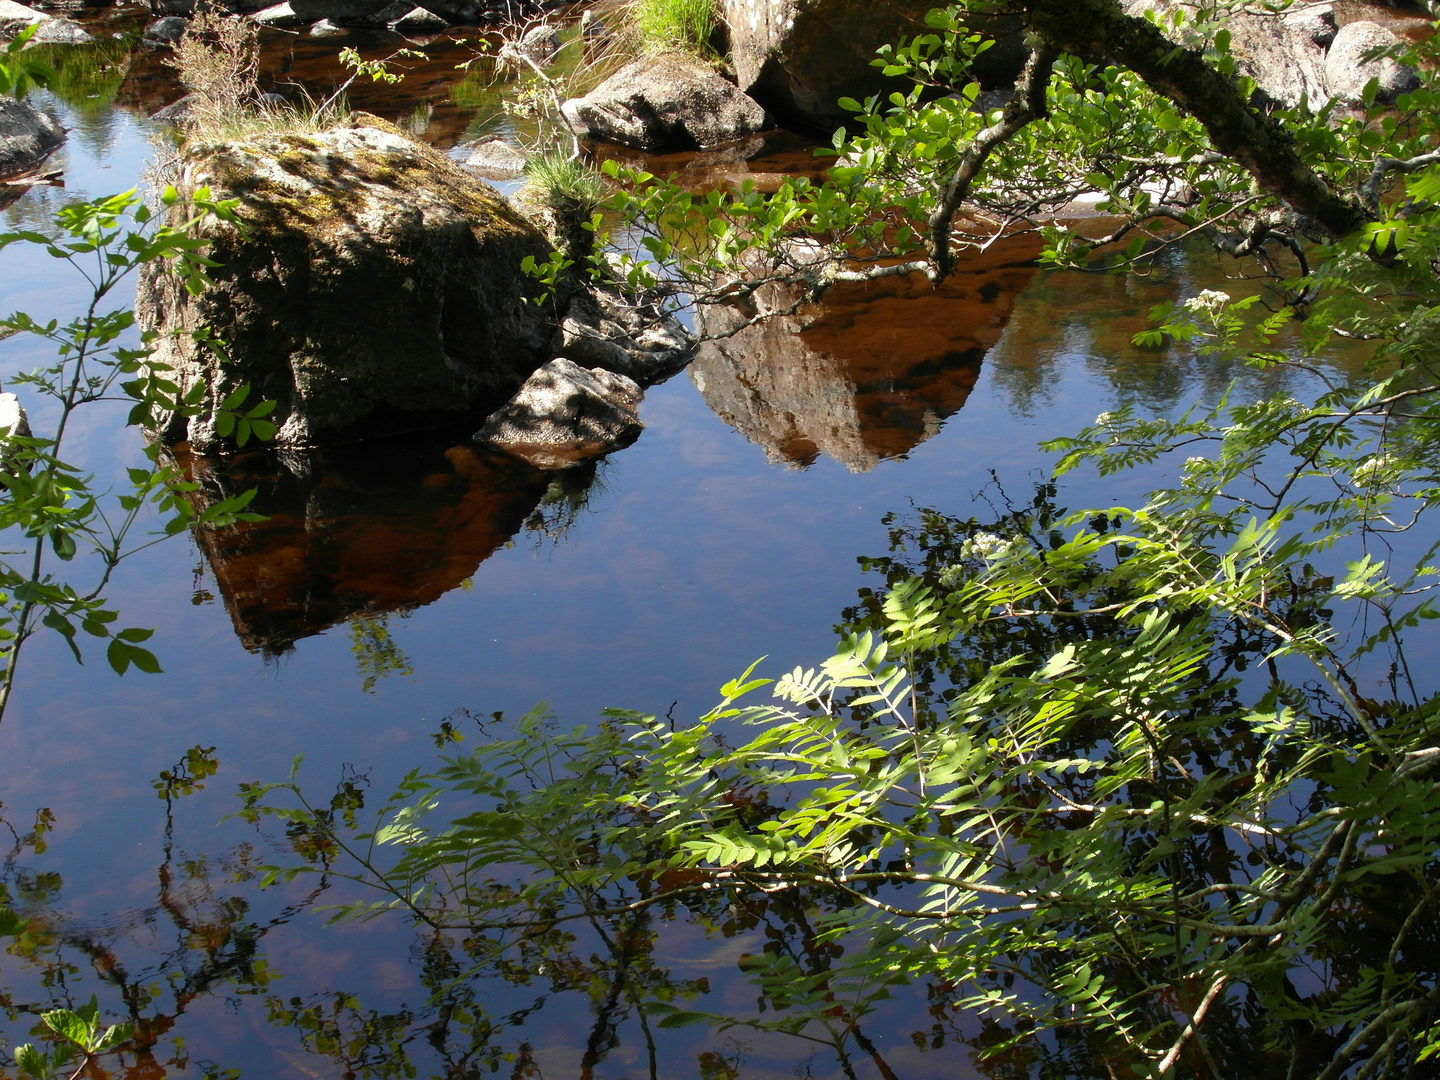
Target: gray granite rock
{"type": "Point", "coordinates": [166, 31]}
{"type": "Point", "coordinates": [279, 15]}
{"type": "Point", "coordinates": [566, 414]}
{"type": "Point", "coordinates": [27, 138]}
{"type": "Point", "coordinates": [1347, 71]}
{"type": "Point", "coordinates": [419, 21]}
{"type": "Point", "coordinates": [495, 159]}
{"type": "Point", "coordinates": [665, 103]}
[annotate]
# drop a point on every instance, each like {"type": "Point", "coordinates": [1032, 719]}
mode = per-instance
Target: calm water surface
{"type": "Point", "coordinates": [728, 532]}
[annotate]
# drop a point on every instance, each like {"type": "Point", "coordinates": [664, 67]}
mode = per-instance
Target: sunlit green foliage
{"type": "Point", "coordinates": [1140, 790]}
{"type": "Point", "coordinates": [50, 506]}
{"type": "Point", "coordinates": [20, 69]}
{"type": "Point", "coordinates": [674, 25]}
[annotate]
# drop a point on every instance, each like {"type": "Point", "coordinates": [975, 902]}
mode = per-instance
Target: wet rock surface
{"type": "Point", "coordinates": [27, 138]}
{"type": "Point", "coordinates": [665, 103]}
{"type": "Point", "coordinates": [566, 414]}
{"type": "Point", "coordinates": [375, 291]}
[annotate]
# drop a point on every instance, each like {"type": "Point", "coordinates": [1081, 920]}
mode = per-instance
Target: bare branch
{"type": "Point", "coordinates": [1027, 105]}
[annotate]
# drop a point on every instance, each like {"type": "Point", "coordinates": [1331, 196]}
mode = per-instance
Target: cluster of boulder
{"type": "Point", "coordinates": [791, 61]}
{"type": "Point", "coordinates": [375, 291]}
{"type": "Point", "coordinates": [410, 17]}
{"type": "Point", "coordinates": [1304, 56]}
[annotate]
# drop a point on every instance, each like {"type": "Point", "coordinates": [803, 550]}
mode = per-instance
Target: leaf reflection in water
{"type": "Point", "coordinates": [148, 965]}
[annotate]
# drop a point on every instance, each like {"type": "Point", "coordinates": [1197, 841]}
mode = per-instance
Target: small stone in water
{"type": "Point", "coordinates": [165, 31]}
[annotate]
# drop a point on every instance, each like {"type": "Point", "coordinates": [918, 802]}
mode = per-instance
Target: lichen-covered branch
{"type": "Point", "coordinates": [1100, 32]}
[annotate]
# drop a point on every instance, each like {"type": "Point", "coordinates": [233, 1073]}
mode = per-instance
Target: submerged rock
{"type": "Point", "coordinates": [1347, 72]}
{"type": "Point", "coordinates": [376, 289]}
{"type": "Point", "coordinates": [665, 103]}
{"type": "Point", "coordinates": [566, 414]}
{"type": "Point", "coordinates": [495, 159]}
{"type": "Point", "coordinates": [27, 138]}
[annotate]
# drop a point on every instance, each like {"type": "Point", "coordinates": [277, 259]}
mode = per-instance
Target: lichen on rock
{"type": "Point", "coordinates": [375, 288]}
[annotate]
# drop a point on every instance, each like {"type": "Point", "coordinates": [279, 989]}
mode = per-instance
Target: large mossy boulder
{"type": "Point", "coordinates": [375, 289]}
{"type": "Point", "coordinates": [797, 58]}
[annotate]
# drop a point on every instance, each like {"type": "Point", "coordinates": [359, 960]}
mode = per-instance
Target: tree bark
{"type": "Point", "coordinates": [1100, 32]}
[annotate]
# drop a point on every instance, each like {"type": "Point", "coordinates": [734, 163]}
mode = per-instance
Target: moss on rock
{"type": "Point", "coordinates": [375, 287]}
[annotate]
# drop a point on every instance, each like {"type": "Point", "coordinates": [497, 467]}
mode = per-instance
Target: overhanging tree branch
{"type": "Point", "coordinates": [1100, 32]}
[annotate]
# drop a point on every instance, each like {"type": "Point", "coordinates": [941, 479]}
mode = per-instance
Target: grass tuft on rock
{"type": "Point", "coordinates": [684, 26]}
{"type": "Point", "coordinates": [563, 183]}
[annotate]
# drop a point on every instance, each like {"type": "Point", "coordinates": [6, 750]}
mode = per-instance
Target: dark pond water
{"type": "Point", "coordinates": [398, 584]}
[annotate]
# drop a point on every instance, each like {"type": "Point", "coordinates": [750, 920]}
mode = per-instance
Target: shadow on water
{"type": "Point", "coordinates": [363, 531]}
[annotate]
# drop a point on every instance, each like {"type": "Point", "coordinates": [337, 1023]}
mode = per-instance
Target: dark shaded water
{"type": "Point", "coordinates": [392, 586]}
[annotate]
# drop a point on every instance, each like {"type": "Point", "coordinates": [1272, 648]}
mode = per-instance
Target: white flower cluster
{"type": "Point", "coordinates": [1371, 465]}
{"type": "Point", "coordinates": [1210, 303]}
{"type": "Point", "coordinates": [984, 545]}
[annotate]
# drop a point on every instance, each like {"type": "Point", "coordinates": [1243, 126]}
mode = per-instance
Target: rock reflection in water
{"type": "Point", "coordinates": [869, 375]}
{"type": "Point", "coordinates": [366, 530]}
